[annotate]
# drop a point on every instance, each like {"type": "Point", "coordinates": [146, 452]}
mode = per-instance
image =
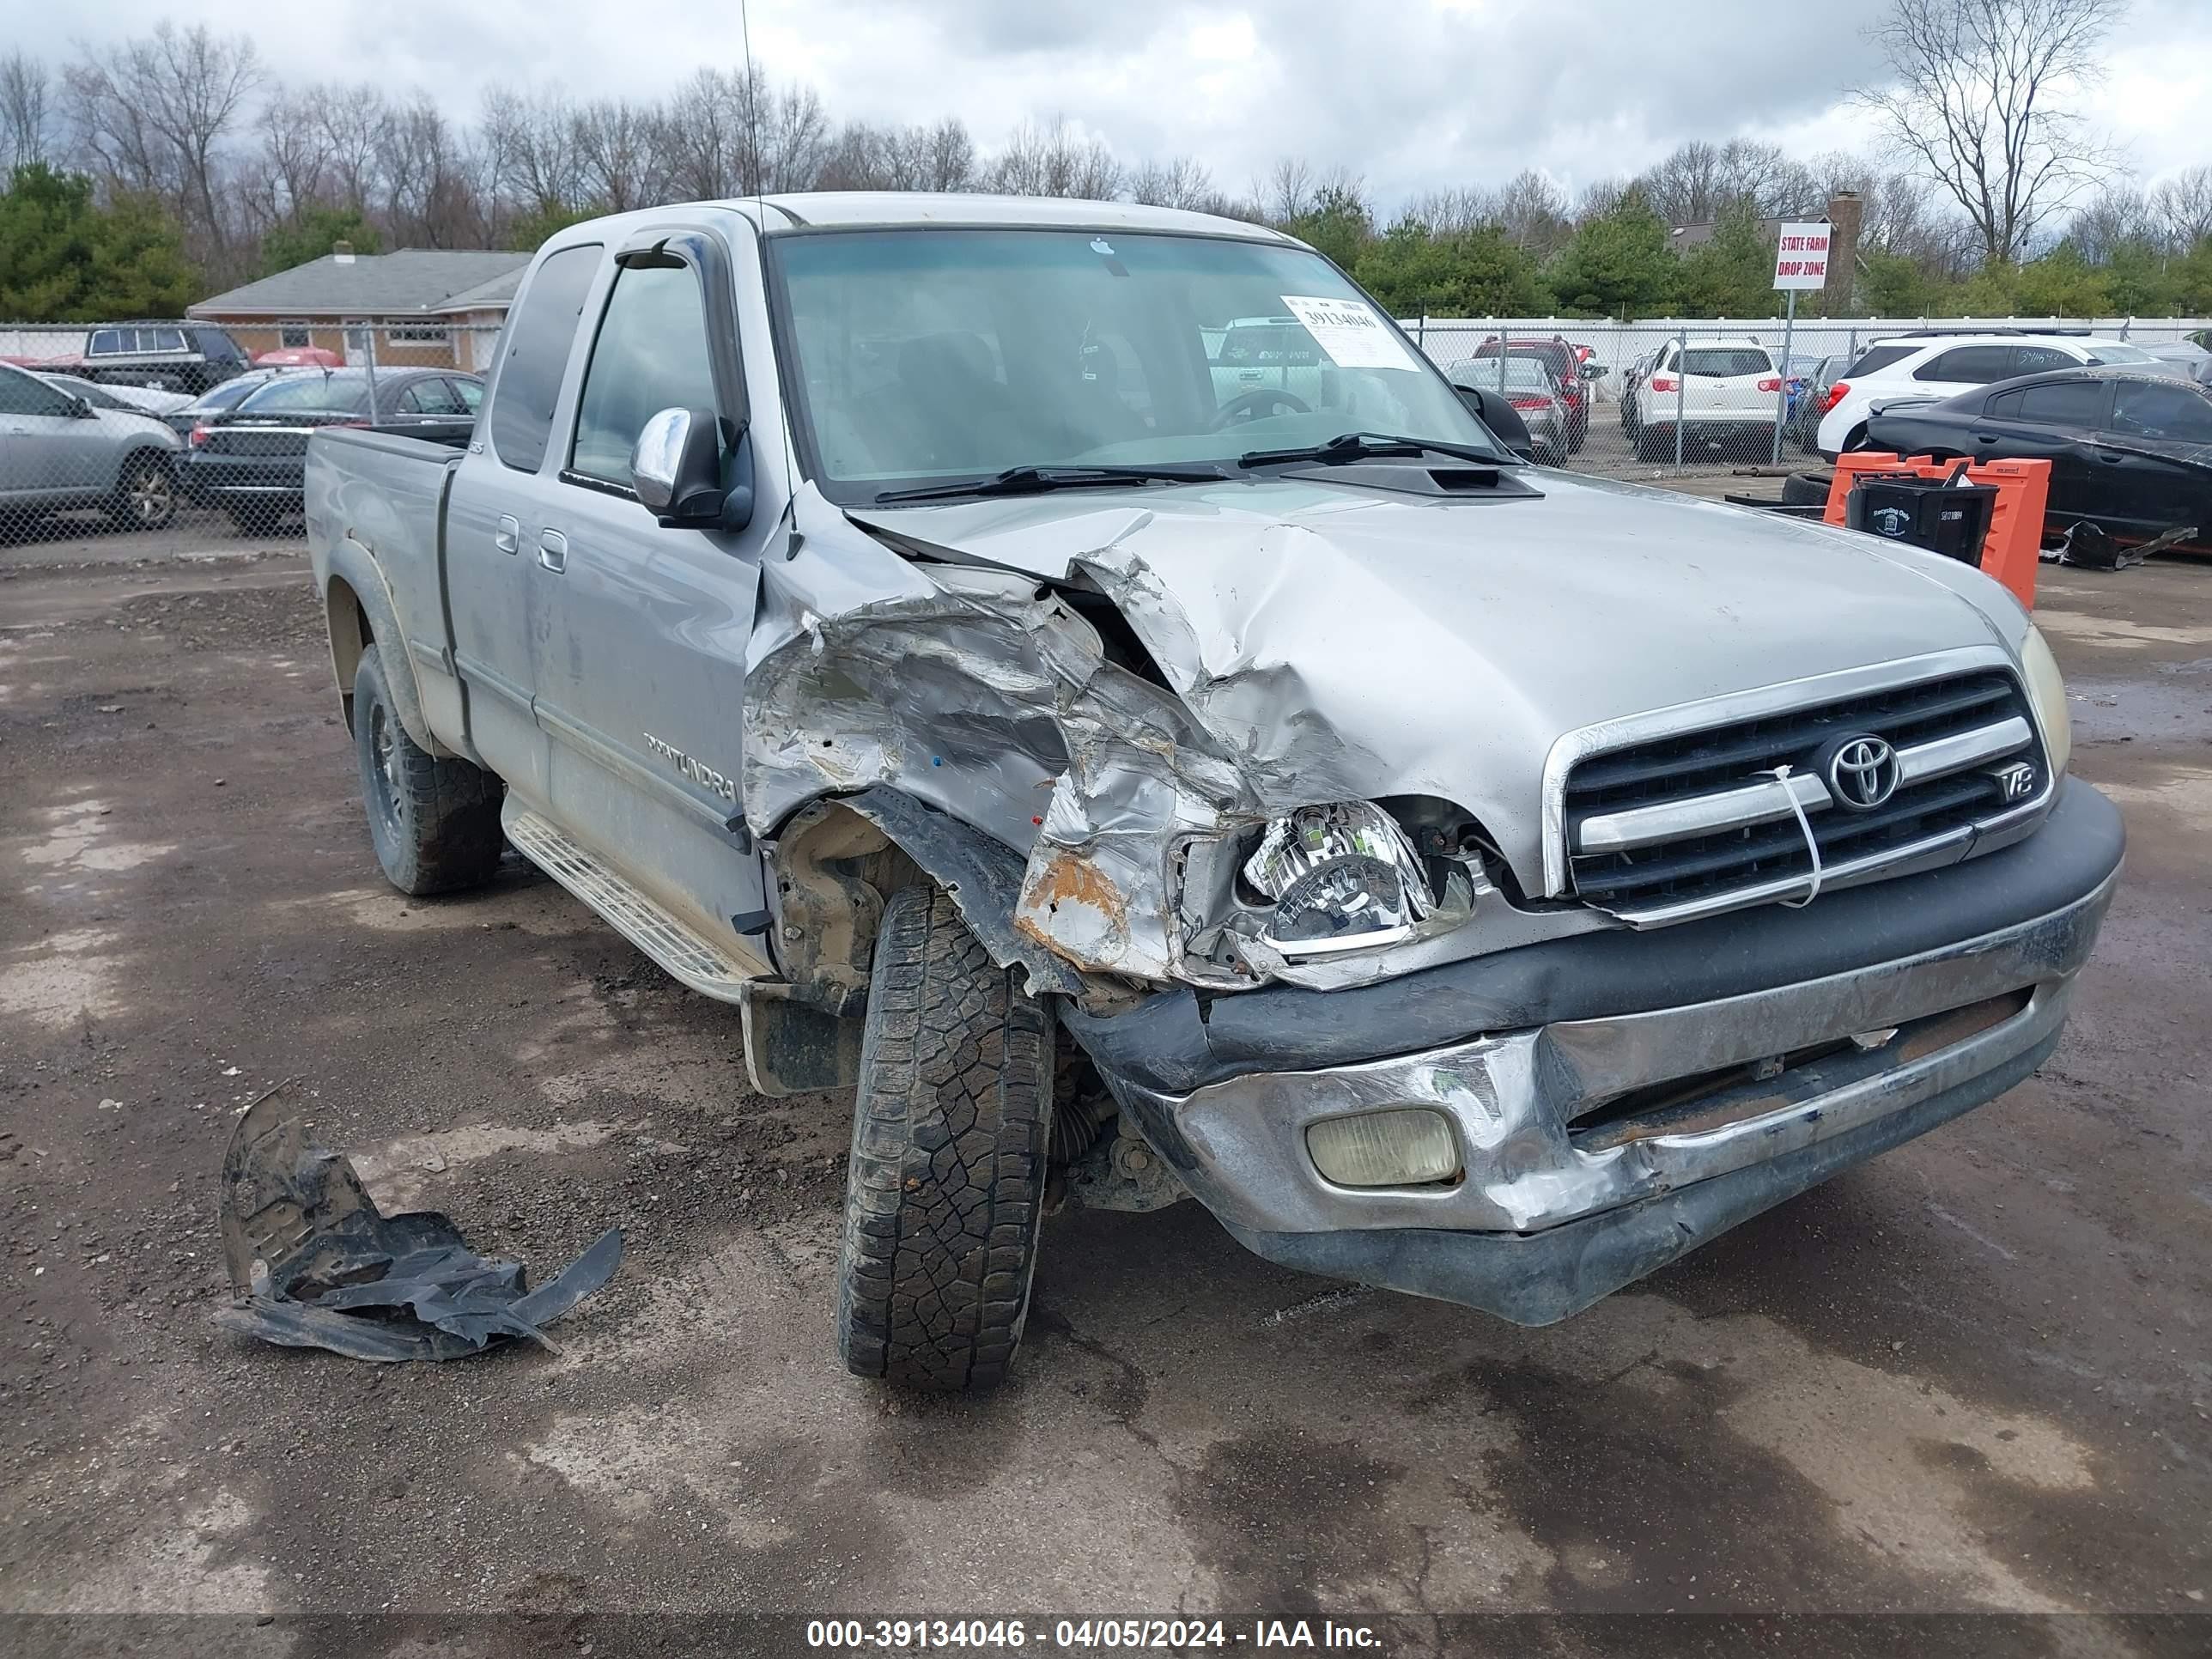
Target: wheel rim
{"type": "Point", "coordinates": [384, 745]}
{"type": "Point", "coordinates": [150, 496]}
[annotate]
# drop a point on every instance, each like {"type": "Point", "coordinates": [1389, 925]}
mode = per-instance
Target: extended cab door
{"type": "Point", "coordinates": [639, 663]}
{"type": "Point", "coordinates": [495, 521]}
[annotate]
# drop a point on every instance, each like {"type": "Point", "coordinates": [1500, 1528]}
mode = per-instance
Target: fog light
{"type": "Point", "coordinates": [1384, 1149]}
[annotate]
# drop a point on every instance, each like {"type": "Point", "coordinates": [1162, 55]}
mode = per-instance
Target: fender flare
{"type": "Point", "coordinates": [355, 566]}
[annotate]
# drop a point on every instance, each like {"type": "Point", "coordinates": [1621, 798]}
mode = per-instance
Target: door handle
{"type": "Point", "coordinates": [2110, 457]}
{"type": "Point", "coordinates": [1985, 437]}
{"type": "Point", "coordinates": [508, 536]}
{"type": "Point", "coordinates": [553, 550]}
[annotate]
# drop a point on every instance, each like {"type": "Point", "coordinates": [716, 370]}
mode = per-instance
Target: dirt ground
{"type": "Point", "coordinates": [1974, 1375]}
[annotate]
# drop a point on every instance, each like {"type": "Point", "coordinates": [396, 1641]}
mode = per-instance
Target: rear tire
{"type": "Point", "coordinates": [945, 1193]}
{"type": "Point", "coordinates": [434, 823]}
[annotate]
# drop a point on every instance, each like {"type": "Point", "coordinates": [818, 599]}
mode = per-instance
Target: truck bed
{"type": "Point", "coordinates": [385, 489]}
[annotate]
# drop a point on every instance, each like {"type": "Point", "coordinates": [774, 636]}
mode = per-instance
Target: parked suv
{"type": "Point", "coordinates": [58, 451]}
{"type": "Point", "coordinates": [1460, 876]}
{"type": "Point", "coordinates": [1936, 368]}
{"type": "Point", "coordinates": [188, 357]}
{"type": "Point", "coordinates": [1564, 361]}
{"type": "Point", "coordinates": [1723, 393]}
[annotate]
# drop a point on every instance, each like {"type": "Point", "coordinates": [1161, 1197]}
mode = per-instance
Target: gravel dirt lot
{"type": "Point", "coordinates": [1975, 1375]}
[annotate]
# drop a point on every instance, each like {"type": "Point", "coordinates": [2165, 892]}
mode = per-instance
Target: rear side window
{"type": "Point", "coordinates": [1720, 362]}
{"type": "Point", "coordinates": [651, 354]}
{"type": "Point", "coordinates": [1875, 359]}
{"type": "Point", "coordinates": [1975, 365]}
{"type": "Point", "coordinates": [2162, 411]}
{"type": "Point", "coordinates": [538, 342]}
{"type": "Point", "coordinates": [106, 343]}
{"type": "Point", "coordinates": [2063, 403]}
{"type": "Point", "coordinates": [2033, 360]}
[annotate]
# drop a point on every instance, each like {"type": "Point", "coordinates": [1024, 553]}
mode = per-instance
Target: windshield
{"type": "Point", "coordinates": [935, 355]}
{"type": "Point", "coordinates": [317, 393]}
{"type": "Point", "coordinates": [1520, 375]}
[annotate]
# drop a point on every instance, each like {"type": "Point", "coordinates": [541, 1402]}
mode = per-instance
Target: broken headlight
{"type": "Point", "coordinates": [1342, 876]}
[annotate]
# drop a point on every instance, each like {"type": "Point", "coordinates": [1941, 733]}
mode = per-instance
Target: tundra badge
{"type": "Point", "coordinates": [697, 771]}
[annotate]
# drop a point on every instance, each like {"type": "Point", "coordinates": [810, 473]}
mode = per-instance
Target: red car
{"type": "Point", "coordinates": [1564, 361]}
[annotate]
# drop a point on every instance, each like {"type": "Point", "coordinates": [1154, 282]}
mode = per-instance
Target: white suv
{"type": "Point", "coordinates": [1724, 394]}
{"type": "Point", "coordinates": [1924, 367]}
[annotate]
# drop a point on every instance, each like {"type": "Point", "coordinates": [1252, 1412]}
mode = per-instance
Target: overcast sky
{"type": "Point", "coordinates": [1413, 96]}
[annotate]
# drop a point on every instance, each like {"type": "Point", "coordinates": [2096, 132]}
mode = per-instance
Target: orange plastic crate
{"type": "Point", "coordinates": [2010, 551]}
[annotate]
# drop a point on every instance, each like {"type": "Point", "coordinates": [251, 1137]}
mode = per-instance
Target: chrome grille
{"type": "Point", "coordinates": [1694, 823]}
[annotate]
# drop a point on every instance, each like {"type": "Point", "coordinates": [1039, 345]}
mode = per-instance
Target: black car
{"type": "Point", "coordinates": [252, 460]}
{"type": "Point", "coordinates": [175, 356]}
{"type": "Point", "coordinates": [2129, 452]}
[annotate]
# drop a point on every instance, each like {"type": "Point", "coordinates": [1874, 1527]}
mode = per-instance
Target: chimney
{"type": "Point", "coordinates": [1846, 212]}
{"type": "Point", "coordinates": [341, 253]}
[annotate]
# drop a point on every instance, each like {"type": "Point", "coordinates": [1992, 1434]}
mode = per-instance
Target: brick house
{"type": "Point", "coordinates": [437, 307]}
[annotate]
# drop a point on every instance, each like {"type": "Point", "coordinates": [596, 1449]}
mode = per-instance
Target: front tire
{"type": "Point", "coordinates": [945, 1192]}
{"type": "Point", "coordinates": [145, 493]}
{"type": "Point", "coordinates": [435, 823]}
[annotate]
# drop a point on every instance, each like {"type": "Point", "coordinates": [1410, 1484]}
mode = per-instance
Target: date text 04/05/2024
{"type": "Point", "coordinates": [1086, 1635]}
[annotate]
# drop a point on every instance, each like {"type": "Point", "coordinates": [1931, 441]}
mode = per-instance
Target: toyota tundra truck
{"type": "Point", "coordinates": [1123, 785]}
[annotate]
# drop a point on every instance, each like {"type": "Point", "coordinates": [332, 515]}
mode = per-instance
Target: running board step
{"type": "Point", "coordinates": [681, 950]}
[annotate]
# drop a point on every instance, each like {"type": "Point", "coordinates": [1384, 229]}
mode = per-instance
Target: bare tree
{"type": "Point", "coordinates": [623, 154]}
{"type": "Point", "coordinates": [293, 160]}
{"type": "Point", "coordinates": [1053, 160]}
{"type": "Point", "coordinates": [1182, 181]}
{"type": "Point", "coordinates": [25, 120]}
{"type": "Point", "coordinates": [1532, 211]}
{"type": "Point", "coordinates": [157, 114]}
{"type": "Point", "coordinates": [1287, 191]}
{"type": "Point", "coordinates": [1975, 97]}
{"type": "Point", "coordinates": [948, 157]}
{"type": "Point", "coordinates": [2112, 219]}
{"type": "Point", "coordinates": [709, 121]}
{"type": "Point", "coordinates": [2184, 206]}
{"type": "Point", "coordinates": [351, 120]}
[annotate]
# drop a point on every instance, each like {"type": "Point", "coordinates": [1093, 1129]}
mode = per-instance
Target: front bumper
{"type": "Point", "coordinates": [1583, 1170]}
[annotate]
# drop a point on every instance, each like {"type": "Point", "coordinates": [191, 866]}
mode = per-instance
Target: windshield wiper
{"type": "Point", "coordinates": [1036, 480]}
{"type": "Point", "coordinates": [1347, 446]}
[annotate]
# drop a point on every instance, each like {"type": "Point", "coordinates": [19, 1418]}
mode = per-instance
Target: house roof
{"type": "Point", "coordinates": [413, 279]}
{"type": "Point", "coordinates": [494, 296]}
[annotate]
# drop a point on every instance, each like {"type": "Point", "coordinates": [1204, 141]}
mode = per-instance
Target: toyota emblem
{"type": "Point", "coordinates": [1862, 772]}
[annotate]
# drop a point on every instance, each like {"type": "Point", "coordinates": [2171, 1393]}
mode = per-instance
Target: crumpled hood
{"type": "Point", "coordinates": [1344, 642]}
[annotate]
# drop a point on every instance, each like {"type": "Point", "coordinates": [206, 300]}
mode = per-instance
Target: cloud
{"type": "Point", "coordinates": [1412, 97]}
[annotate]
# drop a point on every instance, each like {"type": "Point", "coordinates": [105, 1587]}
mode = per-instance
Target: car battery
{"type": "Point", "coordinates": [1946, 515]}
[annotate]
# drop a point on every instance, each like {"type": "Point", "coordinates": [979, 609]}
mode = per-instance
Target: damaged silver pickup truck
{"type": "Point", "coordinates": [1129, 779]}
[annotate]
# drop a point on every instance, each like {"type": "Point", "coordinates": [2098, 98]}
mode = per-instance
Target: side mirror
{"type": "Point", "coordinates": [81, 408]}
{"type": "Point", "coordinates": [675, 467]}
{"type": "Point", "coordinates": [1504, 420]}
{"type": "Point", "coordinates": [1592, 370]}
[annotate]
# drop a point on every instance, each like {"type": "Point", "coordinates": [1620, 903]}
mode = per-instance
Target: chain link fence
{"type": "Point", "coordinates": [1655, 399]}
{"type": "Point", "coordinates": [147, 439]}
{"type": "Point", "coordinates": [152, 439]}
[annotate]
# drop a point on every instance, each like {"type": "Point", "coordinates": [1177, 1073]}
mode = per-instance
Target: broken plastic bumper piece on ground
{"type": "Point", "coordinates": [314, 1264]}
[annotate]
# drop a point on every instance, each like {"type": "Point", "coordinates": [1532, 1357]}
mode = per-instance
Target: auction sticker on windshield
{"type": "Point", "coordinates": [1350, 332]}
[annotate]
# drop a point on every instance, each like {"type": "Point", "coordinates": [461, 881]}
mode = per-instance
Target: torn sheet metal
{"type": "Point", "coordinates": [313, 1263]}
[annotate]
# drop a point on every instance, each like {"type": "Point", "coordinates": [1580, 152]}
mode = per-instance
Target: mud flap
{"type": "Point", "coordinates": [792, 1047]}
{"type": "Point", "coordinates": [313, 1263]}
